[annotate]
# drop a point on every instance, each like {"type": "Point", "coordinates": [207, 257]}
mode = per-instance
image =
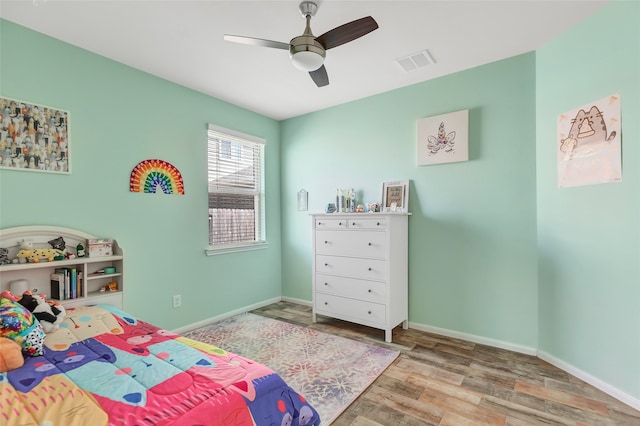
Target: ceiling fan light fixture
{"type": "Point", "coordinates": [307, 60]}
{"type": "Point", "coordinates": [306, 53]}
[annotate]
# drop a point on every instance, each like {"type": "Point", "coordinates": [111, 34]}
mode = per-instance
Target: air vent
{"type": "Point", "coordinates": [416, 60]}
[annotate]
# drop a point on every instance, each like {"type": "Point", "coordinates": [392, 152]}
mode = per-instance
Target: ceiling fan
{"type": "Point", "coordinates": [307, 51]}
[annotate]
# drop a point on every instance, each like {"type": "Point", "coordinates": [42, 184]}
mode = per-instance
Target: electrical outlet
{"type": "Point", "coordinates": [177, 301]}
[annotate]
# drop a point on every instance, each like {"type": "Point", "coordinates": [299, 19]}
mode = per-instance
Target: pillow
{"type": "Point", "coordinates": [18, 324]}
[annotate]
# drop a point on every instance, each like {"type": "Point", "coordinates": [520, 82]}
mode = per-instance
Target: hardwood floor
{"type": "Point", "coordinates": [438, 380]}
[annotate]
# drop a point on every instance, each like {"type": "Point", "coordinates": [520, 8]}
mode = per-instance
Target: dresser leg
{"type": "Point", "coordinates": [388, 334]}
{"type": "Point", "coordinates": [405, 324]}
{"type": "Point", "coordinates": [313, 317]}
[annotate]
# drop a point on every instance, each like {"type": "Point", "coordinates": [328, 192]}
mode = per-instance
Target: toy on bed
{"type": "Point", "coordinates": [50, 314]}
{"type": "Point", "coordinates": [18, 324]}
{"type": "Point", "coordinates": [10, 355]}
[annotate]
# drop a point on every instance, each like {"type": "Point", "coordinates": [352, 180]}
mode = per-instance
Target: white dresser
{"type": "Point", "coordinates": [360, 268]}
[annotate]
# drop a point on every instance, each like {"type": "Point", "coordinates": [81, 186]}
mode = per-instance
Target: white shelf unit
{"type": "Point", "coordinates": [38, 275]}
{"type": "Point", "coordinates": [360, 268]}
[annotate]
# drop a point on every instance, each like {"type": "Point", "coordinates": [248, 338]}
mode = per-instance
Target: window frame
{"type": "Point", "coordinates": [260, 242]}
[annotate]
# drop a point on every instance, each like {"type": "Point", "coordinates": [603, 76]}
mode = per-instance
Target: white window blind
{"type": "Point", "coordinates": [236, 188]}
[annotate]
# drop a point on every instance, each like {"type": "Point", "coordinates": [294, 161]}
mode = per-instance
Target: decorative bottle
{"type": "Point", "coordinates": [347, 202]}
{"type": "Point", "coordinates": [352, 196]}
{"type": "Point", "coordinates": [80, 250]}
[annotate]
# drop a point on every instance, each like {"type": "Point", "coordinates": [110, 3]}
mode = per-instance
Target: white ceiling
{"type": "Point", "coordinates": [182, 41]}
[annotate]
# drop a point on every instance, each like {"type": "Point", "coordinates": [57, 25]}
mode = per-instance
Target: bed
{"type": "Point", "coordinates": [105, 366]}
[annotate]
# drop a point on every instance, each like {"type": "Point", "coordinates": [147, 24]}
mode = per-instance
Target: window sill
{"type": "Point", "coordinates": [234, 248]}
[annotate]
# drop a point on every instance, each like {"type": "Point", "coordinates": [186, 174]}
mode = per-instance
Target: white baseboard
{"type": "Point", "coordinates": [593, 381]}
{"type": "Point", "coordinates": [225, 315]}
{"type": "Point", "coordinates": [298, 301]}
{"type": "Point", "coordinates": [475, 339]}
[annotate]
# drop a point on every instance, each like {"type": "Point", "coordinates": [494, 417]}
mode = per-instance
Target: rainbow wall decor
{"type": "Point", "coordinates": [148, 175]}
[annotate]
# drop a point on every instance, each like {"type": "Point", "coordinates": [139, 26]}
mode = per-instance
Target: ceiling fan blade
{"type": "Point", "coordinates": [256, 41]}
{"type": "Point", "coordinates": [347, 32]}
{"type": "Point", "coordinates": [320, 76]}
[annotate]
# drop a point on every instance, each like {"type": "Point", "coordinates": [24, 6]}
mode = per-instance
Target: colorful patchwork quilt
{"type": "Point", "coordinates": [104, 366]}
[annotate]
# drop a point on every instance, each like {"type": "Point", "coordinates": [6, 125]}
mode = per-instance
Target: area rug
{"type": "Point", "coordinates": [329, 371]}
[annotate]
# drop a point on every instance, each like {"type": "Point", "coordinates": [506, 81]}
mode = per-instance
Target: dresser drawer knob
{"type": "Point", "coordinates": [326, 303]}
{"type": "Point", "coordinates": [319, 223]}
{"type": "Point", "coordinates": [369, 268]}
{"type": "Point", "coordinates": [369, 290]}
{"type": "Point", "coordinates": [326, 283]}
{"type": "Point", "coordinates": [378, 223]}
{"type": "Point", "coordinates": [354, 224]}
{"type": "Point", "coordinates": [326, 264]}
{"type": "Point", "coordinates": [369, 243]}
{"type": "Point", "coordinates": [340, 223]}
{"type": "Point", "coordinates": [369, 312]}
{"type": "Point", "coordinates": [326, 242]}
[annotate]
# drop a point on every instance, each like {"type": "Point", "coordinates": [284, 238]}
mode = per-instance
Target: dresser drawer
{"type": "Point", "coordinates": [367, 223]}
{"type": "Point", "coordinates": [331, 223]}
{"type": "Point", "coordinates": [371, 291]}
{"type": "Point", "coordinates": [352, 310]}
{"type": "Point", "coordinates": [368, 269]}
{"type": "Point", "coordinates": [356, 244]}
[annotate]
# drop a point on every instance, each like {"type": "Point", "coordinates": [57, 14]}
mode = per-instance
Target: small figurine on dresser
{"type": "Point", "coordinates": [340, 200]}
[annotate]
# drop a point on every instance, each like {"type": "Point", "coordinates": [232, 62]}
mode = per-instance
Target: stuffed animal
{"type": "Point", "coordinates": [30, 254]}
{"type": "Point", "coordinates": [48, 314]}
{"type": "Point", "coordinates": [58, 243]}
{"type": "Point", "coordinates": [10, 355]}
{"type": "Point", "coordinates": [4, 256]}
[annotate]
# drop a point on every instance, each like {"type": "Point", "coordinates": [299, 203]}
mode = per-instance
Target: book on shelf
{"type": "Point", "coordinates": [73, 281]}
{"type": "Point", "coordinates": [67, 284]}
{"type": "Point", "coordinates": [64, 289]}
{"type": "Point", "coordinates": [57, 286]}
{"type": "Point", "coordinates": [80, 288]}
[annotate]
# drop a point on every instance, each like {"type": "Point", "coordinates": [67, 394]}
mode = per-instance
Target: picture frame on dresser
{"type": "Point", "coordinates": [395, 197]}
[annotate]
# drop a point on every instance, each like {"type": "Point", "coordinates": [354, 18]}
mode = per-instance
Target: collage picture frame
{"type": "Point", "coordinates": [395, 197]}
{"type": "Point", "coordinates": [34, 137]}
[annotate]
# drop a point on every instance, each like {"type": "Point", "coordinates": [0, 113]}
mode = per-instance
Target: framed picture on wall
{"type": "Point", "coordinates": [443, 138]}
{"type": "Point", "coordinates": [395, 196]}
{"type": "Point", "coordinates": [34, 137]}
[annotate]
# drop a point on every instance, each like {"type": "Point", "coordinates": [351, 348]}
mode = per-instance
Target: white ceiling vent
{"type": "Point", "coordinates": [416, 60]}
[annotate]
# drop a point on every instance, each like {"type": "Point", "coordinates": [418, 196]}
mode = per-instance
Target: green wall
{"type": "Point", "coordinates": [120, 116]}
{"type": "Point", "coordinates": [472, 238]}
{"type": "Point", "coordinates": [480, 228]}
{"type": "Point", "coordinates": [589, 236]}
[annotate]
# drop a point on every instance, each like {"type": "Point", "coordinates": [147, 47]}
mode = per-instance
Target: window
{"type": "Point", "coordinates": [236, 191]}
